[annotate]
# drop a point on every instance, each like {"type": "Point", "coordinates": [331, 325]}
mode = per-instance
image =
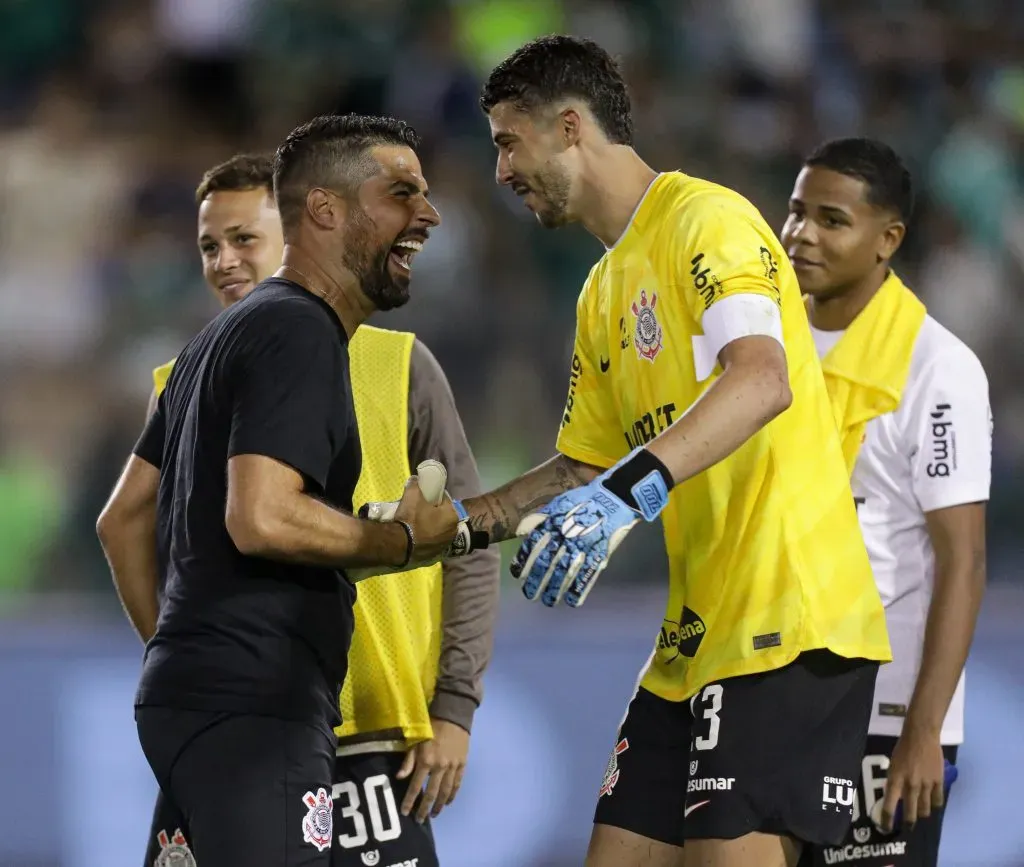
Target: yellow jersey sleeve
{"type": "Point", "coordinates": [727, 249]}
{"type": "Point", "coordinates": [590, 431]}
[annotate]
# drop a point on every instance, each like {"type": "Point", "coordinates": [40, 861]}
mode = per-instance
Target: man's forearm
{"type": "Point", "coordinates": [309, 532]}
{"type": "Point", "coordinates": [131, 553]}
{"type": "Point", "coordinates": [737, 405]}
{"type": "Point", "coordinates": [127, 532]}
{"type": "Point", "coordinates": [499, 512]}
{"type": "Point", "coordinates": [947, 640]}
{"type": "Point", "coordinates": [470, 595]}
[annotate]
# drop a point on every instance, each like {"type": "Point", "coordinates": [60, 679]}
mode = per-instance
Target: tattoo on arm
{"type": "Point", "coordinates": [499, 512]}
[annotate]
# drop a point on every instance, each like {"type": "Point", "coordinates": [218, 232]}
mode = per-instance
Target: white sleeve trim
{"type": "Point", "coordinates": [743, 315]}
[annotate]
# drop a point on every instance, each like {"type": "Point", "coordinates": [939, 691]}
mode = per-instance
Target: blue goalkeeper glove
{"type": "Point", "coordinates": [569, 541]}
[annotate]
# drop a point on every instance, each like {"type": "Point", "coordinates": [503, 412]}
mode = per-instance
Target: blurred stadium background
{"type": "Point", "coordinates": [109, 113]}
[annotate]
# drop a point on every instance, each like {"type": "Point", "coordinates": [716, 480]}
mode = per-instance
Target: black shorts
{"type": "Point", "coordinates": [776, 752]}
{"type": "Point", "coordinates": [240, 789]}
{"type": "Point", "coordinates": [865, 845]}
{"type": "Point", "coordinates": [368, 827]}
{"type": "Point", "coordinates": [168, 846]}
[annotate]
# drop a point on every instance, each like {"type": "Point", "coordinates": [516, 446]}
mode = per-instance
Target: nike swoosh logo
{"type": "Point", "coordinates": [605, 365]}
{"type": "Point", "coordinates": [693, 807]}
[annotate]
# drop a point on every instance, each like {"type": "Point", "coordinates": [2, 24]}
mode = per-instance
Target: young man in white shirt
{"type": "Point", "coordinates": [912, 404]}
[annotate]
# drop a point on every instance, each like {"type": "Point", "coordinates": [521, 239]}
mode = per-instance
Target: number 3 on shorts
{"type": "Point", "coordinates": [710, 699]}
{"type": "Point", "coordinates": [376, 789]}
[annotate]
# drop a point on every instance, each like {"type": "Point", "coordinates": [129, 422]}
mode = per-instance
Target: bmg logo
{"type": "Point", "coordinates": [575, 372]}
{"type": "Point", "coordinates": [943, 443]}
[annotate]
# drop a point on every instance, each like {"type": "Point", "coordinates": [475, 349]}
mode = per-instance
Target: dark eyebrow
{"type": "Point", "coordinates": [410, 187]}
{"type": "Point", "coordinates": [832, 210]}
{"type": "Point", "coordinates": [230, 230]}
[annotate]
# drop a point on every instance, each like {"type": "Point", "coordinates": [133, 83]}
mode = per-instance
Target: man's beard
{"type": "Point", "coordinates": [368, 261]}
{"type": "Point", "coordinates": [553, 190]}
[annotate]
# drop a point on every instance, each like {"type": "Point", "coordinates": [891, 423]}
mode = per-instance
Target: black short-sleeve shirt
{"type": "Point", "coordinates": [269, 376]}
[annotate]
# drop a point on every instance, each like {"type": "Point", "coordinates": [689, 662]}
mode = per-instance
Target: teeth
{"type": "Point", "coordinates": [415, 246]}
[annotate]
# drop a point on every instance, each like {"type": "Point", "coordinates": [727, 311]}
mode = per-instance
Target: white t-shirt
{"type": "Point", "coordinates": [933, 452]}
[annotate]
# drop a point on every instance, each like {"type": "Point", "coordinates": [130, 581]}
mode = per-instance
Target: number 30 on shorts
{"type": "Point", "coordinates": [705, 706]}
{"type": "Point", "coordinates": [379, 800]}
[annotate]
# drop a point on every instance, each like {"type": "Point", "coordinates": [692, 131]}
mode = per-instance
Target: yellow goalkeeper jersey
{"type": "Point", "coordinates": [766, 558]}
{"type": "Point", "coordinates": [396, 645]}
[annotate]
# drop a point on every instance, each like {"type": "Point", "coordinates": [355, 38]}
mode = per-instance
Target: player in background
{"type": "Point", "coordinates": [912, 405]}
{"type": "Point", "coordinates": [422, 641]}
{"type": "Point", "coordinates": [245, 475]}
{"type": "Point", "coordinates": [694, 394]}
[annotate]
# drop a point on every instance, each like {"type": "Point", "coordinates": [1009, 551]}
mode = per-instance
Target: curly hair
{"type": "Point", "coordinates": [554, 67]}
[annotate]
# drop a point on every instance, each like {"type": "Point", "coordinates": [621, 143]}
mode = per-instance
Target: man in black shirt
{"type": "Point", "coordinates": [245, 474]}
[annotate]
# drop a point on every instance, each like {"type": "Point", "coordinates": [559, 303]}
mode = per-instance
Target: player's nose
{"type": "Point", "coordinates": [503, 173]}
{"type": "Point", "coordinates": [428, 215]}
{"type": "Point", "coordinates": [801, 230]}
{"type": "Point", "coordinates": [227, 258]}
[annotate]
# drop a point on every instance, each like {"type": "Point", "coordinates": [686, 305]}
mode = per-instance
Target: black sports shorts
{"type": "Point", "coordinates": [865, 845]}
{"type": "Point", "coordinates": [777, 752]}
{"type": "Point", "coordinates": [368, 827]}
{"type": "Point", "coordinates": [238, 789]}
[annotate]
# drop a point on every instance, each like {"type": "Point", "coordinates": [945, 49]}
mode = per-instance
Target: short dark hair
{"type": "Point", "coordinates": [331, 151]}
{"type": "Point", "coordinates": [554, 67]}
{"type": "Point", "coordinates": [241, 172]}
{"type": "Point", "coordinates": [885, 175]}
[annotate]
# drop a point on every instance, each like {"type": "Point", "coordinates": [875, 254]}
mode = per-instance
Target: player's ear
{"type": "Point", "coordinates": [569, 122]}
{"type": "Point", "coordinates": [324, 208]}
{"type": "Point", "coordinates": [890, 239]}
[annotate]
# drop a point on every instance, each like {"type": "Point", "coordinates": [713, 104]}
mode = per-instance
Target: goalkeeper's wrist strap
{"type": "Point", "coordinates": [642, 482]}
{"type": "Point", "coordinates": [466, 539]}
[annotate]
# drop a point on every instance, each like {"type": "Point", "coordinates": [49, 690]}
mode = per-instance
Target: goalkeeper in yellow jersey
{"type": "Point", "coordinates": [421, 641]}
{"type": "Point", "coordinates": [696, 396]}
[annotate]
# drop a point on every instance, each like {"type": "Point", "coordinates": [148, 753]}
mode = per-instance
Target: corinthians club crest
{"type": "Point", "coordinates": [317, 826]}
{"type": "Point", "coordinates": [647, 334]}
{"type": "Point", "coordinates": [611, 774]}
{"type": "Point", "coordinates": [174, 851]}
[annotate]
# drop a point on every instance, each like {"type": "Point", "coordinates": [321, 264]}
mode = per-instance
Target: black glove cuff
{"type": "Point", "coordinates": [638, 467]}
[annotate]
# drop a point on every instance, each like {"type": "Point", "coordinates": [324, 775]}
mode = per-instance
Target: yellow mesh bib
{"type": "Point", "coordinates": [161, 374]}
{"type": "Point", "coordinates": [392, 666]}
